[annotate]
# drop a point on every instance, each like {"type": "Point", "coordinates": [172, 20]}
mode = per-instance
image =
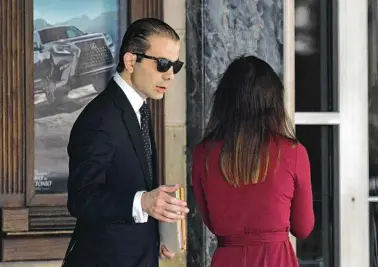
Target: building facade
{"type": "Point", "coordinates": [326, 53]}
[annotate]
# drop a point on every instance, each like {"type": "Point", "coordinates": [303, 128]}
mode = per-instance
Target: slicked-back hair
{"type": "Point", "coordinates": [136, 37]}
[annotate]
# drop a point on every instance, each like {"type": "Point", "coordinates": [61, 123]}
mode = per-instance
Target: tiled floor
{"type": "Point", "coordinates": [32, 264]}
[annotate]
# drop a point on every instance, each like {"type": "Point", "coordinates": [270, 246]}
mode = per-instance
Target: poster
{"type": "Point", "coordinates": [75, 45]}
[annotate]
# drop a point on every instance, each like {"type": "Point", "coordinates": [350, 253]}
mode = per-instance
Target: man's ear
{"type": "Point", "coordinates": [129, 59]}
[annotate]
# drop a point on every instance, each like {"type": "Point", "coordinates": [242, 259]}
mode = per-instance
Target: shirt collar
{"type": "Point", "coordinates": [135, 99]}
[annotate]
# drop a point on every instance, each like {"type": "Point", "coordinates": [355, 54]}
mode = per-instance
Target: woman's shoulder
{"type": "Point", "coordinates": [198, 152]}
{"type": "Point", "coordinates": [290, 146]}
{"type": "Point", "coordinates": [202, 149]}
{"type": "Point", "coordinates": [198, 149]}
{"type": "Point", "coordinates": [204, 146]}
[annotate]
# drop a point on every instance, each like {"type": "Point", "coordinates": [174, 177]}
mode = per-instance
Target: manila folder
{"type": "Point", "coordinates": [173, 235]}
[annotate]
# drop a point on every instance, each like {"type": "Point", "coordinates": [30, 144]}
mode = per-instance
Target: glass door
{"type": "Point", "coordinates": [317, 124]}
{"type": "Point", "coordinates": [331, 117]}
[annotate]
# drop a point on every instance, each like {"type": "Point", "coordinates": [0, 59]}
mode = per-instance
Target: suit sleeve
{"type": "Point", "coordinates": [302, 213]}
{"type": "Point", "coordinates": [90, 152]}
{"type": "Point", "coordinates": [198, 167]}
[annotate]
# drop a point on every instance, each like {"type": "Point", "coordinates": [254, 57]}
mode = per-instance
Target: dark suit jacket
{"type": "Point", "coordinates": [107, 166]}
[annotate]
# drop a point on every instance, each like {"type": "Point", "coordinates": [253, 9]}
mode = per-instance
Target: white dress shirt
{"type": "Point", "coordinates": [136, 102]}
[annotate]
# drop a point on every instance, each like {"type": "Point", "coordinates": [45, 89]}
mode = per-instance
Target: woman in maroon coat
{"type": "Point", "coordinates": [251, 177]}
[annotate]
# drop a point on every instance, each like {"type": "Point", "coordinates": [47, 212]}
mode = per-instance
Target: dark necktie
{"type": "Point", "coordinates": [145, 121]}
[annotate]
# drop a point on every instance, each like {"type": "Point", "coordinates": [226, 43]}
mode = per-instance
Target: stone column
{"type": "Point", "coordinates": [175, 114]}
{"type": "Point", "coordinates": [217, 32]}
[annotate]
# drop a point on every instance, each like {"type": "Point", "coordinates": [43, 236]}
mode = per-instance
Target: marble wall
{"type": "Point", "coordinates": [217, 31]}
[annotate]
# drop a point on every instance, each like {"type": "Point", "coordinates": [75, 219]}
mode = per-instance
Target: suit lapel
{"type": "Point", "coordinates": [132, 125]}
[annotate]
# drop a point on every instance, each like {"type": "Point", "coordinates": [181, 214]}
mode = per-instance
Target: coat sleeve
{"type": "Point", "coordinates": [90, 152]}
{"type": "Point", "coordinates": [198, 171]}
{"type": "Point", "coordinates": [302, 213]}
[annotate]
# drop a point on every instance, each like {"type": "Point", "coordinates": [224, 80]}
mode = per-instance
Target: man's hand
{"type": "Point", "coordinates": [166, 253]}
{"type": "Point", "coordinates": [162, 206]}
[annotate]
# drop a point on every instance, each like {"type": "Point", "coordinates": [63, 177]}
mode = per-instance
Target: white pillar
{"type": "Point", "coordinates": [353, 91]}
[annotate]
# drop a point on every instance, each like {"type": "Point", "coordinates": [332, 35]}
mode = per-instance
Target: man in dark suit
{"type": "Point", "coordinates": [112, 187]}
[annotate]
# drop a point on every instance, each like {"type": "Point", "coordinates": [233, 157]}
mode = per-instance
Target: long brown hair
{"type": "Point", "coordinates": [247, 114]}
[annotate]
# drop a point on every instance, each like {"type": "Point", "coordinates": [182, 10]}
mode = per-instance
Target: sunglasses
{"type": "Point", "coordinates": [163, 64]}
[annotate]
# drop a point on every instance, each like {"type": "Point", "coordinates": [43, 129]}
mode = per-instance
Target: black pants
{"type": "Point", "coordinates": [83, 254]}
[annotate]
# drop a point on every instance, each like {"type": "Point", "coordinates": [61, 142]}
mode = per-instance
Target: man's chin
{"type": "Point", "coordinates": [157, 96]}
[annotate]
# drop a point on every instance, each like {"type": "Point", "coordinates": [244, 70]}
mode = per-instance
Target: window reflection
{"type": "Point", "coordinates": [373, 211]}
{"type": "Point", "coordinates": [314, 90]}
{"type": "Point", "coordinates": [321, 144]}
{"type": "Point", "coordinates": [373, 127]}
{"type": "Point", "coordinates": [373, 97]}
